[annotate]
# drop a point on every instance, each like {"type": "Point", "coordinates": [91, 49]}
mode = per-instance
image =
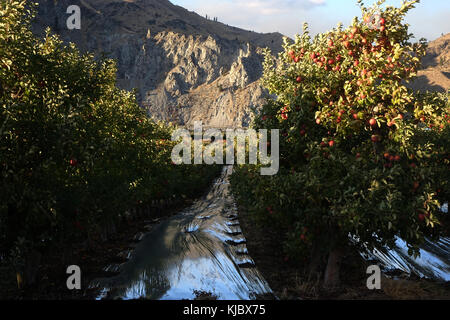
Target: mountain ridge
{"type": "Point", "coordinates": [185, 67]}
{"type": "Point", "coordinates": [171, 56]}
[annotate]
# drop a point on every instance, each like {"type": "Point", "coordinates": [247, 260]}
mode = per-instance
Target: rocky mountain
{"type": "Point", "coordinates": [184, 67]}
{"type": "Point", "coordinates": [435, 75]}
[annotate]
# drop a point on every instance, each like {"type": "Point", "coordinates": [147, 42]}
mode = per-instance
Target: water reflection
{"type": "Point", "coordinates": [200, 249]}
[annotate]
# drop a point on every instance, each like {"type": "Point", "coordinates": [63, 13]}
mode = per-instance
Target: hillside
{"type": "Point", "coordinates": [185, 67]}
{"type": "Point", "coordinates": [435, 74]}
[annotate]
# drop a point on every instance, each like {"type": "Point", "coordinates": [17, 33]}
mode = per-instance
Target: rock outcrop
{"type": "Point", "coordinates": [184, 67]}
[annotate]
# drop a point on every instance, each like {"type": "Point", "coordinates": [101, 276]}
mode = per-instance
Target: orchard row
{"type": "Point", "coordinates": [360, 154]}
{"type": "Point", "coordinates": [76, 152]}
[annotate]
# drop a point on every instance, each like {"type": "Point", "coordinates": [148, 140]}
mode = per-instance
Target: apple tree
{"type": "Point", "coordinates": [358, 157]}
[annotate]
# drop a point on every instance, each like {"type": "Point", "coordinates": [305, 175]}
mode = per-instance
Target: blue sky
{"type": "Point", "coordinates": [429, 19]}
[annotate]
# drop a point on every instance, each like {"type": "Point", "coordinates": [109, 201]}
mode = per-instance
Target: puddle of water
{"type": "Point", "coordinates": [199, 249]}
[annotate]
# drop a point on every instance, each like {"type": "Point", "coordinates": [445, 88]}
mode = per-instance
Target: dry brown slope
{"type": "Point", "coordinates": [435, 75]}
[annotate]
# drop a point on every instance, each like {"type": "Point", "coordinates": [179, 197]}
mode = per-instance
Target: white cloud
{"type": "Point", "coordinates": [280, 5]}
{"type": "Point", "coordinates": [287, 16]}
{"type": "Point", "coordinates": [260, 15]}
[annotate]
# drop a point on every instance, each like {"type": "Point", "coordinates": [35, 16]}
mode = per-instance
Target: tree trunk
{"type": "Point", "coordinates": [315, 263]}
{"type": "Point", "coordinates": [32, 264]}
{"type": "Point", "coordinates": [27, 274]}
{"type": "Point", "coordinates": [331, 279]}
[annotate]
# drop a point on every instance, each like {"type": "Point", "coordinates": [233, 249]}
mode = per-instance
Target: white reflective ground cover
{"type": "Point", "coordinates": [433, 262]}
{"type": "Point", "coordinates": [202, 249]}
